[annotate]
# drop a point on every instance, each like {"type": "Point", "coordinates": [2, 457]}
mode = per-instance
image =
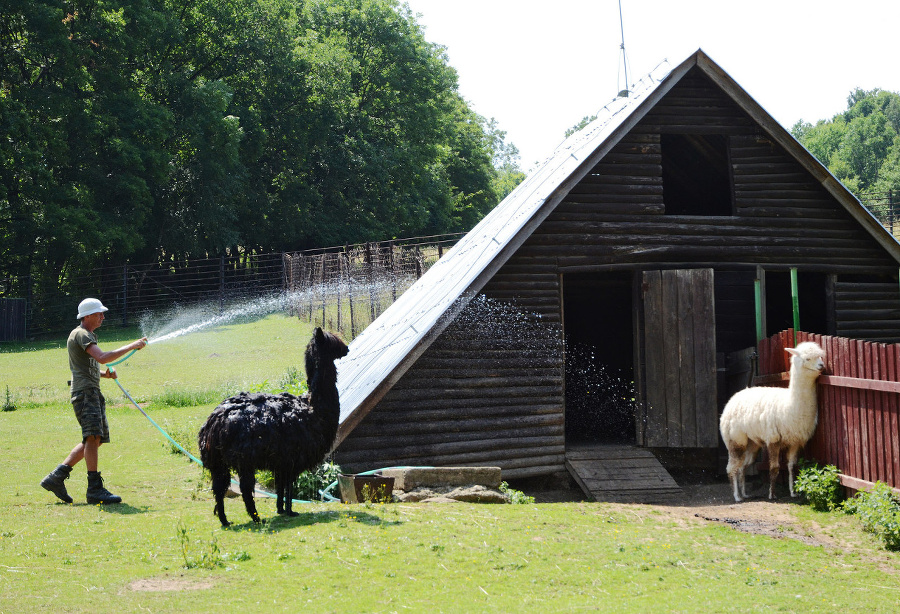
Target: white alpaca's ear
{"type": "Point", "coordinates": [792, 351]}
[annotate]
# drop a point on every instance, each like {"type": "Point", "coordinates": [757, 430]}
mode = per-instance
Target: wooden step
{"type": "Point", "coordinates": [621, 474]}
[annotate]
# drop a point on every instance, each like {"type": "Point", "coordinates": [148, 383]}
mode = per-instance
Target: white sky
{"type": "Point", "coordinates": [539, 66]}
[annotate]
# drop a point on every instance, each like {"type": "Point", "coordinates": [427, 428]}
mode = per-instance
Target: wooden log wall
{"type": "Point", "coordinates": [487, 392]}
{"type": "Point", "coordinates": [783, 217]}
{"type": "Point", "coordinates": [868, 310]}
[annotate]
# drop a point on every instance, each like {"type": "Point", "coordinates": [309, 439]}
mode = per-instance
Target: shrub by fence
{"type": "Point", "coordinates": [350, 285]}
{"type": "Point", "coordinates": [859, 405]}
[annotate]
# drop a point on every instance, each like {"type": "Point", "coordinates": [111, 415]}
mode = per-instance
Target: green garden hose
{"type": "Point", "coordinates": [324, 493]}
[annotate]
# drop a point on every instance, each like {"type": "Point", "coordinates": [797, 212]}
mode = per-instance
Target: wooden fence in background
{"type": "Point", "coordinates": [366, 277]}
{"type": "Point", "coordinates": [859, 405]}
{"type": "Point", "coordinates": [12, 319]}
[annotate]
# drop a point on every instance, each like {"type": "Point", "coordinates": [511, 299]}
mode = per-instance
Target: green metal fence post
{"type": "Point", "coordinates": [795, 302]}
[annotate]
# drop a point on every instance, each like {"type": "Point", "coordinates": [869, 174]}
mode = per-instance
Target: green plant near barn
{"type": "Point", "coordinates": [820, 486]}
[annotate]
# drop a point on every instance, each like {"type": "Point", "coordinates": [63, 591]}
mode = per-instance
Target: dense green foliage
{"type": "Point", "coordinates": [820, 486]}
{"type": "Point", "coordinates": [155, 130]}
{"type": "Point", "coordinates": [879, 511]}
{"type": "Point", "coordinates": [860, 146]}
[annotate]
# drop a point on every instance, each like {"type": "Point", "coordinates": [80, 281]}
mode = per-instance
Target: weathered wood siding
{"type": "Point", "coordinates": [487, 392]}
{"type": "Point", "coordinates": [868, 310]}
{"type": "Point", "coordinates": [783, 217]}
{"type": "Point", "coordinates": [470, 401]}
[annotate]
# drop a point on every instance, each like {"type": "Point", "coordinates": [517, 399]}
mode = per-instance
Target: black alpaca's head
{"type": "Point", "coordinates": [323, 349]}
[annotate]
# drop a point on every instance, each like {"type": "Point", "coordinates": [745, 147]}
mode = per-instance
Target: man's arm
{"type": "Point", "coordinates": [105, 357]}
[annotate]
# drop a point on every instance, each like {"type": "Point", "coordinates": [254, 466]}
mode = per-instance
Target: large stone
{"type": "Point", "coordinates": [410, 478]}
{"type": "Point", "coordinates": [450, 494]}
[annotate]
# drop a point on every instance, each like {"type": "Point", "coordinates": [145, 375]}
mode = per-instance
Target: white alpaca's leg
{"type": "Point", "coordinates": [749, 459]}
{"type": "Point", "coordinates": [793, 452]}
{"type": "Point", "coordinates": [774, 450]}
{"type": "Point", "coordinates": [735, 470]}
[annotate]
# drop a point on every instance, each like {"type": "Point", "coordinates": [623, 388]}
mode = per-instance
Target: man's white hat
{"type": "Point", "coordinates": [89, 306]}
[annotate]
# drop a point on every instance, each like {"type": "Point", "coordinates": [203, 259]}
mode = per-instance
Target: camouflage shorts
{"type": "Point", "coordinates": [90, 410]}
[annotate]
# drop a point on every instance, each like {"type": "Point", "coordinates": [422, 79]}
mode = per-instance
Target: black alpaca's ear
{"type": "Point", "coordinates": [319, 335]}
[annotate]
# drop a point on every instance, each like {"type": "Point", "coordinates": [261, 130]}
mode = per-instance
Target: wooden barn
{"type": "Point", "coordinates": [600, 316]}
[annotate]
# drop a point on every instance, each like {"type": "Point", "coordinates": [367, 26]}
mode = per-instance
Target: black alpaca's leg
{"type": "Point", "coordinates": [279, 493]}
{"type": "Point", "coordinates": [289, 496]}
{"type": "Point", "coordinates": [219, 486]}
{"type": "Point", "coordinates": [248, 482]}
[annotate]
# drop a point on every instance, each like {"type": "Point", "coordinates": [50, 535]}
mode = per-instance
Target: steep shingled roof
{"type": "Point", "coordinates": [383, 352]}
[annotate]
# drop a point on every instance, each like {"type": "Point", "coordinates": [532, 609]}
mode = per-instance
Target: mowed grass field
{"type": "Point", "coordinates": [162, 550]}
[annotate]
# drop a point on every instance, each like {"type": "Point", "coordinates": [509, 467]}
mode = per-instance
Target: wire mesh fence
{"type": "Point", "coordinates": [885, 206]}
{"type": "Point", "coordinates": [347, 289]}
{"type": "Point", "coordinates": [340, 288]}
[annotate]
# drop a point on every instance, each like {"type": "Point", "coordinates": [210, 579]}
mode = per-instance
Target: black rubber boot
{"type": "Point", "coordinates": [55, 482]}
{"type": "Point", "coordinates": [96, 493]}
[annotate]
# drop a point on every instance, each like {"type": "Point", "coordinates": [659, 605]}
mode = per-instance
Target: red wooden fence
{"type": "Point", "coordinates": [859, 405]}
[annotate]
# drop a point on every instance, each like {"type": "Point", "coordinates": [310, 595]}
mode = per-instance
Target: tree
{"type": "Point", "coordinates": [173, 129]}
{"type": "Point", "coordinates": [392, 134]}
{"type": "Point", "coordinates": [506, 162]}
{"type": "Point", "coordinates": [860, 146]}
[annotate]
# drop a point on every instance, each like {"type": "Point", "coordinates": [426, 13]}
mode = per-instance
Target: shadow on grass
{"type": "Point", "coordinates": [123, 508]}
{"type": "Point", "coordinates": [276, 524]}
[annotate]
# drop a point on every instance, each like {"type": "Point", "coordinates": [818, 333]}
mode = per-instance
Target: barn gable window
{"type": "Point", "coordinates": [696, 174]}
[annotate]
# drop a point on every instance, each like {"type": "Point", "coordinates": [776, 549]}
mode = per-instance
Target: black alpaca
{"type": "Point", "coordinates": [280, 432]}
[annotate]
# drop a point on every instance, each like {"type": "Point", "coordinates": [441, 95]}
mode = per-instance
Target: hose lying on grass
{"type": "Point", "coordinates": [325, 493]}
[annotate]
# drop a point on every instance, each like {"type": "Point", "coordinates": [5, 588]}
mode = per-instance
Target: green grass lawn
{"type": "Point", "coordinates": [210, 364]}
{"type": "Point", "coordinates": [162, 550]}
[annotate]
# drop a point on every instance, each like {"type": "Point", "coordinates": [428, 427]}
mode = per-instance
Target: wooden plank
{"type": "Point", "coordinates": [842, 365]}
{"type": "Point", "coordinates": [638, 490]}
{"type": "Point", "coordinates": [836, 381]}
{"type": "Point", "coordinates": [627, 480]}
{"type": "Point", "coordinates": [858, 484]}
{"type": "Point", "coordinates": [672, 358]}
{"type": "Point", "coordinates": [602, 453]}
{"type": "Point", "coordinates": [878, 406]}
{"type": "Point", "coordinates": [621, 473]}
{"type": "Point", "coordinates": [655, 387]}
{"type": "Point", "coordinates": [687, 296]}
{"type": "Point", "coordinates": [612, 468]}
{"type": "Point", "coordinates": [869, 359]}
{"type": "Point", "coordinates": [706, 402]}
{"type": "Point", "coordinates": [856, 420]}
{"type": "Point", "coordinates": [894, 408]}
{"type": "Point", "coordinates": [838, 438]}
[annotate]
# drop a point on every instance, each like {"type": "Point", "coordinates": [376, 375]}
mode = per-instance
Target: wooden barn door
{"type": "Point", "coordinates": [679, 374]}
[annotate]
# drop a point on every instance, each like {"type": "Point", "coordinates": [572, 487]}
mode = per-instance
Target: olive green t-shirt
{"type": "Point", "coordinates": [85, 370]}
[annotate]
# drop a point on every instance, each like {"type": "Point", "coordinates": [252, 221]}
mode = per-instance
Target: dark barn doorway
{"type": "Point", "coordinates": [812, 302]}
{"type": "Point", "coordinates": [597, 318]}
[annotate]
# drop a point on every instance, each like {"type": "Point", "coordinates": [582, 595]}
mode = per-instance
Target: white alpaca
{"type": "Point", "coordinates": [778, 418]}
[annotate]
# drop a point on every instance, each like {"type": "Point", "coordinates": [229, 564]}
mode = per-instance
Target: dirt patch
{"type": "Point", "coordinates": [168, 584]}
{"type": "Point", "coordinates": [712, 501]}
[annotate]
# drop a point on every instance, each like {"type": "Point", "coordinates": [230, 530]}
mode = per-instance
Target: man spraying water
{"type": "Point", "coordinates": [85, 358]}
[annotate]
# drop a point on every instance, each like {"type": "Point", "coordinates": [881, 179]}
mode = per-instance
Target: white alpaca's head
{"type": "Point", "coordinates": [807, 356]}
